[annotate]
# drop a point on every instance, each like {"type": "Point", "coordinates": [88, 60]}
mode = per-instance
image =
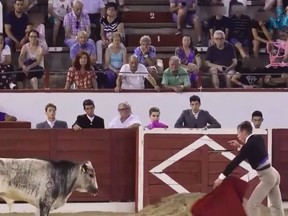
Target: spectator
{"type": "Point", "coordinates": [195, 117]}
{"type": "Point", "coordinates": [51, 122]}
{"type": "Point", "coordinates": [5, 65]}
{"type": "Point", "coordinates": [279, 25]}
{"type": "Point", "coordinates": [154, 115]}
{"type": "Point", "coordinates": [189, 58]}
{"type": "Point", "coordinates": [146, 54]}
{"type": "Point", "coordinates": [132, 76]}
{"type": "Point", "coordinates": [257, 119]}
{"type": "Point", "coordinates": [184, 11]}
{"type": "Point", "coordinates": [95, 10]}
{"type": "Point", "coordinates": [115, 58]}
{"type": "Point", "coordinates": [57, 10]}
{"type": "Point", "coordinates": [248, 78]}
{"type": "Point", "coordinates": [81, 73]}
{"type": "Point", "coordinates": [40, 28]}
{"type": "Point", "coordinates": [88, 120]}
{"type": "Point", "coordinates": [261, 34]}
{"type": "Point", "coordinates": [7, 117]}
{"type": "Point", "coordinates": [125, 119]}
{"type": "Point", "coordinates": [31, 61]}
{"type": "Point", "coordinates": [221, 59]}
{"type": "Point", "coordinates": [109, 24]}
{"type": "Point", "coordinates": [75, 22]}
{"type": "Point", "coordinates": [218, 22]}
{"type": "Point", "coordinates": [240, 32]}
{"type": "Point", "coordinates": [83, 45]}
{"type": "Point", "coordinates": [15, 26]}
{"type": "Point", "coordinates": [176, 77]}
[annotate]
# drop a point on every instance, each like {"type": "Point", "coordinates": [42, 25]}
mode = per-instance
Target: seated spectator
{"type": "Point", "coordinates": [218, 22]}
{"type": "Point", "coordinates": [261, 34]}
{"type": "Point", "coordinates": [95, 10]}
{"type": "Point", "coordinates": [125, 119]}
{"type": "Point", "coordinates": [5, 65]}
{"type": "Point", "coordinates": [279, 26]}
{"type": "Point", "coordinates": [195, 117]}
{"type": "Point", "coordinates": [250, 78]}
{"type": "Point", "coordinates": [31, 61]}
{"type": "Point", "coordinates": [82, 44]}
{"type": "Point", "coordinates": [240, 33]}
{"type": "Point", "coordinates": [51, 122]}
{"type": "Point", "coordinates": [57, 10]}
{"type": "Point", "coordinates": [275, 77]}
{"type": "Point", "coordinates": [81, 74]}
{"type": "Point", "coordinates": [15, 26]}
{"type": "Point", "coordinates": [146, 54]}
{"type": "Point", "coordinates": [257, 119]}
{"type": "Point", "coordinates": [176, 77]}
{"type": "Point", "coordinates": [89, 119]}
{"type": "Point", "coordinates": [40, 28]}
{"type": "Point", "coordinates": [221, 59]}
{"type": "Point", "coordinates": [154, 115]}
{"type": "Point", "coordinates": [7, 117]}
{"type": "Point", "coordinates": [115, 58]}
{"type": "Point", "coordinates": [189, 58]}
{"type": "Point", "coordinates": [110, 23]}
{"type": "Point", "coordinates": [75, 22]}
{"type": "Point", "coordinates": [133, 75]}
{"type": "Point", "coordinates": [184, 11]}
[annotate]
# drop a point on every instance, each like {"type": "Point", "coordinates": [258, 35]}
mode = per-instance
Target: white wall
{"type": "Point", "coordinates": [229, 108]}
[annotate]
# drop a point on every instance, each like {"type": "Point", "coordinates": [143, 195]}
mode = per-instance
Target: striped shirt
{"type": "Point", "coordinates": [240, 27]}
{"type": "Point", "coordinates": [110, 28]}
{"type": "Point", "coordinates": [76, 25]}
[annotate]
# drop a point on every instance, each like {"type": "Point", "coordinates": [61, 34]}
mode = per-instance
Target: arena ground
{"type": "Point", "coordinates": [176, 205]}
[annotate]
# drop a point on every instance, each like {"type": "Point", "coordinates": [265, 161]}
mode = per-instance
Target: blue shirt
{"type": "Point", "coordinates": [77, 48]}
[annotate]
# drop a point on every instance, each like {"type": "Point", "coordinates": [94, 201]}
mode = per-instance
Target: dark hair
{"type": "Point", "coordinates": [257, 113]}
{"type": "Point", "coordinates": [153, 109]}
{"type": "Point", "coordinates": [111, 4]}
{"type": "Point", "coordinates": [88, 102]}
{"type": "Point", "coordinates": [76, 62]}
{"type": "Point", "coordinates": [191, 43]}
{"type": "Point", "coordinates": [195, 98]}
{"type": "Point", "coordinates": [34, 31]}
{"type": "Point", "coordinates": [245, 126]}
{"type": "Point", "coordinates": [50, 105]}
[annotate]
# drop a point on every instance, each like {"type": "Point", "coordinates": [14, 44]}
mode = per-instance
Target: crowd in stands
{"type": "Point", "coordinates": [194, 117]}
{"type": "Point", "coordinates": [95, 35]}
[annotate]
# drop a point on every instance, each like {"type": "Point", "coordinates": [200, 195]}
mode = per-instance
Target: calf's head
{"type": "Point", "coordinates": [86, 181]}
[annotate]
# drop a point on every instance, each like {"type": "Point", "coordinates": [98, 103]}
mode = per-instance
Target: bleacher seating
{"type": "Point", "coordinates": [147, 17]}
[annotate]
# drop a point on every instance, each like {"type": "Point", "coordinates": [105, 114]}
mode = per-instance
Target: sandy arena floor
{"type": "Point", "coordinates": [176, 205]}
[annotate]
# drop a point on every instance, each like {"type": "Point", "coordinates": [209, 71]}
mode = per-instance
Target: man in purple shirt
{"type": "Point", "coordinates": [184, 12]}
{"type": "Point", "coordinates": [75, 22]}
{"type": "Point", "coordinates": [83, 45]}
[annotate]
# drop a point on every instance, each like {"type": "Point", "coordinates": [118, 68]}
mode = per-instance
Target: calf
{"type": "Point", "coordinates": [45, 184]}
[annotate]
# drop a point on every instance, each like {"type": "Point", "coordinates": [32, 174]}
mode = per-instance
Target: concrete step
{"type": "Point", "coordinates": [149, 8]}
{"type": "Point", "coordinates": [147, 17]}
{"type": "Point", "coordinates": [158, 40]}
{"type": "Point", "coordinates": [156, 29]}
{"type": "Point", "coordinates": [146, 2]}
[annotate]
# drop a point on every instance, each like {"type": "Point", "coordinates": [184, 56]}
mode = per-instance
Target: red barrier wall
{"type": "Point", "coordinates": [112, 153]}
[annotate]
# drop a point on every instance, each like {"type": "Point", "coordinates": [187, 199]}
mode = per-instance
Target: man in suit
{"type": "Point", "coordinates": [88, 120]}
{"type": "Point", "coordinates": [254, 152]}
{"type": "Point", "coordinates": [51, 122]}
{"type": "Point", "coordinates": [195, 117]}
